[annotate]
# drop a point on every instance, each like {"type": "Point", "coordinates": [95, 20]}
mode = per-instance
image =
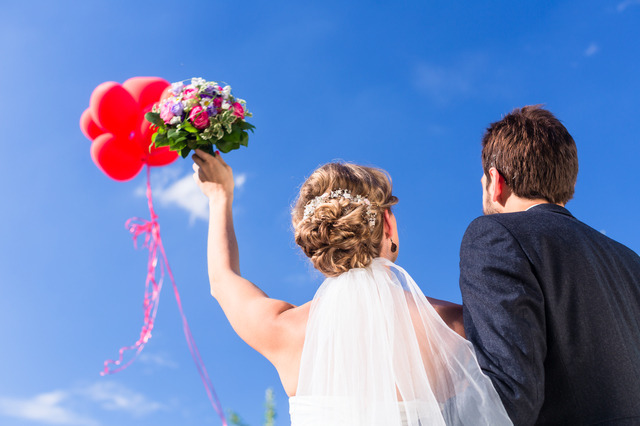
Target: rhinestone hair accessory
{"type": "Point", "coordinates": [311, 206]}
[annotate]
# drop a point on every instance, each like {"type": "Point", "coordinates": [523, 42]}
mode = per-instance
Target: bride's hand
{"type": "Point", "coordinates": [213, 175]}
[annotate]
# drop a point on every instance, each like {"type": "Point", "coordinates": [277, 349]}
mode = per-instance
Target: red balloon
{"type": "Point", "coordinates": [88, 126]}
{"type": "Point", "coordinates": [113, 108]}
{"type": "Point", "coordinates": [145, 90]}
{"type": "Point", "coordinates": [117, 157]}
{"type": "Point", "coordinates": [116, 124]}
{"type": "Point", "coordinates": [161, 156]}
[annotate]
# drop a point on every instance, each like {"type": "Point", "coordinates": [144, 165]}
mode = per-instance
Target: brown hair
{"type": "Point", "coordinates": [534, 153]}
{"type": "Point", "coordinates": [337, 236]}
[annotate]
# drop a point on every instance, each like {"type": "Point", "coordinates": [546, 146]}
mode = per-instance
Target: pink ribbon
{"type": "Point", "coordinates": [150, 229]}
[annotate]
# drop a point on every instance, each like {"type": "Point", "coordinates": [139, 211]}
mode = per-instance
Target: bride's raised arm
{"type": "Point", "coordinates": [259, 320]}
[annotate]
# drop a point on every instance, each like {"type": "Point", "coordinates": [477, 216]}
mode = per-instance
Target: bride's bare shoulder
{"type": "Point", "coordinates": [291, 329]}
{"type": "Point", "coordinates": [296, 318]}
{"type": "Point", "coordinates": [451, 314]}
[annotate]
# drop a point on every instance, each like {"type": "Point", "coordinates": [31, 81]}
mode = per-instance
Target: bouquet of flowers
{"type": "Point", "coordinates": [202, 114]}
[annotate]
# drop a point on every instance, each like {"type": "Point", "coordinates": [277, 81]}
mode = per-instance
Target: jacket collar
{"type": "Point", "coordinates": [551, 208]}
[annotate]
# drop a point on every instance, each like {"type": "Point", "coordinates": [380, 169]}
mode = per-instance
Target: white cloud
{"type": "Point", "coordinates": [240, 180]}
{"type": "Point", "coordinates": [592, 50]}
{"type": "Point", "coordinates": [113, 396]}
{"type": "Point", "coordinates": [467, 76]}
{"type": "Point", "coordinates": [61, 407]}
{"type": "Point", "coordinates": [625, 4]}
{"type": "Point", "coordinates": [184, 193]}
{"type": "Point", "coordinates": [169, 190]}
{"type": "Point", "coordinates": [157, 359]}
{"type": "Point", "coordinates": [46, 408]}
{"type": "Point", "coordinates": [441, 82]}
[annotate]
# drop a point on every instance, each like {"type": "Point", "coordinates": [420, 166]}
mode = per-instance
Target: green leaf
{"type": "Point", "coordinates": [188, 135]}
{"type": "Point", "coordinates": [185, 151]}
{"type": "Point", "coordinates": [227, 146]}
{"type": "Point", "coordinates": [227, 118]}
{"type": "Point", "coordinates": [154, 118]}
{"type": "Point", "coordinates": [245, 126]}
{"type": "Point", "coordinates": [244, 139]}
{"type": "Point", "coordinates": [189, 127]}
{"type": "Point", "coordinates": [217, 131]}
{"type": "Point", "coordinates": [160, 139]}
{"type": "Point", "coordinates": [235, 135]}
{"type": "Point", "coordinates": [207, 148]}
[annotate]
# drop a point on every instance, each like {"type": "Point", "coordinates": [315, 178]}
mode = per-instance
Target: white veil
{"type": "Point", "coordinates": [377, 353]}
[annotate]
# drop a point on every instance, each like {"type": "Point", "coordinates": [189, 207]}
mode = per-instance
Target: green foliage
{"type": "Point", "coordinates": [225, 133]}
{"type": "Point", "coordinates": [269, 412]}
{"type": "Point", "coordinates": [154, 118]}
{"type": "Point", "coordinates": [269, 408]}
{"type": "Point", "coordinates": [235, 419]}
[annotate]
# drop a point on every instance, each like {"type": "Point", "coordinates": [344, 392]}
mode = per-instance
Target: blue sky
{"type": "Point", "coordinates": [408, 86]}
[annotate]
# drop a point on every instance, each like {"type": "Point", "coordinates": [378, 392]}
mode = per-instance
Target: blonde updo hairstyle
{"type": "Point", "coordinates": [337, 236]}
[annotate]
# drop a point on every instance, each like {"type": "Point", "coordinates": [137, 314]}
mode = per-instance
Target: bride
{"type": "Point", "coordinates": [370, 348]}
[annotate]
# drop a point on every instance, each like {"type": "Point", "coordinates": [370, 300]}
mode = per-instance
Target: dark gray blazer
{"type": "Point", "coordinates": [552, 308]}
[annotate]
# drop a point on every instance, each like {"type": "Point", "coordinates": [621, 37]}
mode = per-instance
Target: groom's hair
{"type": "Point", "coordinates": [534, 153]}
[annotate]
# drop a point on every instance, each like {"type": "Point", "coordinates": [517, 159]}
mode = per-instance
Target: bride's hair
{"type": "Point", "coordinates": [339, 233]}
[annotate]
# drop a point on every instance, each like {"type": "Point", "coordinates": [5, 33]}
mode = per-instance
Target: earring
{"type": "Point", "coordinates": [394, 247]}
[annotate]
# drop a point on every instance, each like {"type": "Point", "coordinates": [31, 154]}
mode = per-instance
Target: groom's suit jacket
{"type": "Point", "coordinates": [552, 308]}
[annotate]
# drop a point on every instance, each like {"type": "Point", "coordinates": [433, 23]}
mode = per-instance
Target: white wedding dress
{"type": "Point", "coordinates": [377, 353]}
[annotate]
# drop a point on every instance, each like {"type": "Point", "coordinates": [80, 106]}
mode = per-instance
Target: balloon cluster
{"type": "Point", "coordinates": [121, 137]}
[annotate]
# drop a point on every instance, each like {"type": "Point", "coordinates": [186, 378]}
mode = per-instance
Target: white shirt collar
{"type": "Point", "coordinates": [530, 207]}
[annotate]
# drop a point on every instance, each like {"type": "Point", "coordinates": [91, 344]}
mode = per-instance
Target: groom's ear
{"type": "Point", "coordinates": [497, 186]}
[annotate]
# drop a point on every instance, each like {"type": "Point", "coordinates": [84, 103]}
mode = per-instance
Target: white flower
{"type": "Point", "coordinates": [197, 81]}
{"type": "Point", "coordinates": [226, 90]}
{"type": "Point", "coordinates": [176, 87]}
{"type": "Point", "coordinates": [175, 120]}
{"type": "Point", "coordinates": [189, 103]}
{"type": "Point", "coordinates": [225, 104]}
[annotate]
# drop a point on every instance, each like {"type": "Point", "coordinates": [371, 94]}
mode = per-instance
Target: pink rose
{"type": "Point", "coordinates": [217, 102]}
{"type": "Point", "coordinates": [238, 110]}
{"type": "Point", "coordinates": [165, 112]}
{"type": "Point", "coordinates": [199, 117]}
{"type": "Point", "coordinates": [189, 93]}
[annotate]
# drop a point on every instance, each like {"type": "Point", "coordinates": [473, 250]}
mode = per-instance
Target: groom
{"type": "Point", "coordinates": [551, 305]}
